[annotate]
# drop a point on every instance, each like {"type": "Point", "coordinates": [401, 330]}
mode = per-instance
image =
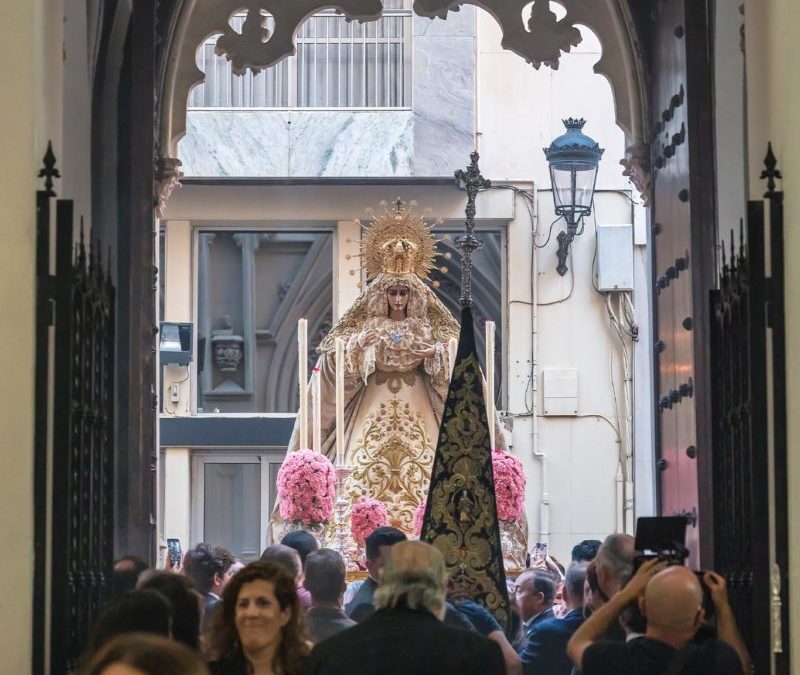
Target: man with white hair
{"type": "Point", "coordinates": [671, 600]}
{"type": "Point", "coordinates": [406, 633]}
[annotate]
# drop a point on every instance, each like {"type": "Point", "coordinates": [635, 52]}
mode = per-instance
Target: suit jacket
{"type": "Point", "coordinates": [362, 604]}
{"type": "Point", "coordinates": [211, 605]}
{"type": "Point", "coordinates": [322, 622]}
{"type": "Point", "coordinates": [546, 649]}
{"type": "Point", "coordinates": [546, 615]}
{"type": "Point", "coordinates": [401, 641]}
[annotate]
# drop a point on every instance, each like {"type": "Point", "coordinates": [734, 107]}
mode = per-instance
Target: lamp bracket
{"type": "Point", "coordinates": [564, 241]}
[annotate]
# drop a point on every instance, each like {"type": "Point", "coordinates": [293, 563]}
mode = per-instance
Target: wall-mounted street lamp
{"type": "Point", "coordinates": [573, 158]}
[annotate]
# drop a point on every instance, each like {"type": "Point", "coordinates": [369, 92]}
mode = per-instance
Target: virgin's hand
{"type": "Point", "coordinates": [368, 338]}
{"type": "Point", "coordinates": [425, 351]}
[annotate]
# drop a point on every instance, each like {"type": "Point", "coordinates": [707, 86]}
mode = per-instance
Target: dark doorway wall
{"type": "Point", "coordinates": [123, 209]}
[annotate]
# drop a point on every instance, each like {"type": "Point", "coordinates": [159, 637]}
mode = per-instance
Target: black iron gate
{"type": "Point", "coordinates": [74, 470]}
{"type": "Point", "coordinates": [747, 317]}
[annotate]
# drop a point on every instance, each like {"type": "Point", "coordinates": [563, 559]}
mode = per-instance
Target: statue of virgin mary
{"type": "Point", "coordinates": [397, 336]}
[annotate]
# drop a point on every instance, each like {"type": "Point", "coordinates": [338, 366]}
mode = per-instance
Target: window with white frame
{"type": "Point", "coordinates": [233, 495]}
{"type": "Point", "coordinates": [339, 64]}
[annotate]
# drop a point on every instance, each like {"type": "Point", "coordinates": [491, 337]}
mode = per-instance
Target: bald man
{"type": "Point", "coordinates": [671, 600]}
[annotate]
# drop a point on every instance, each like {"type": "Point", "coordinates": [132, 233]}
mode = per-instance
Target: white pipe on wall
{"type": "Point", "coordinates": [620, 505]}
{"type": "Point", "coordinates": [544, 499]}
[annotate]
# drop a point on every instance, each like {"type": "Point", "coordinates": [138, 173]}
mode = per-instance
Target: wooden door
{"type": "Point", "coordinates": [683, 236]}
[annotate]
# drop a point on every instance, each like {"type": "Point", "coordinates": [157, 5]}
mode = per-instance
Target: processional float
{"type": "Point", "coordinates": [461, 513]}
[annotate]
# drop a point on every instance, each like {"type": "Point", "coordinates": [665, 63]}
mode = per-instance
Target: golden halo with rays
{"type": "Point", "coordinates": [398, 223]}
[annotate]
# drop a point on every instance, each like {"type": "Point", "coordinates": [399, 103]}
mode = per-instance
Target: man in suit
{"type": "Point", "coordinates": [207, 567]}
{"type": "Point", "coordinates": [546, 647]}
{"type": "Point", "coordinates": [324, 580]}
{"type": "Point", "coordinates": [377, 547]}
{"type": "Point", "coordinates": [535, 592]}
{"type": "Point", "coordinates": [406, 633]}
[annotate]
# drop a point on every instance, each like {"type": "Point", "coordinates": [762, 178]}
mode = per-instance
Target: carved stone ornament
{"type": "Point", "coordinates": [637, 168]}
{"type": "Point", "coordinates": [540, 42]}
{"type": "Point", "coordinates": [255, 48]}
{"type": "Point", "coordinates": [168, 177]}
{"type": "Point", "coordinates": [228, 352]}
{"type": "Point", "coordinates": [227, 348]}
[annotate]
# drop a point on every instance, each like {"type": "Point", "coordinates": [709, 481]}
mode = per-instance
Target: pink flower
{"type": "Point", "coordinates": [306, 487]}
{"type": "Point", "coordinates": [509, 485]}
{"type": "Point", "coordinates": [366, 516]}
{"type": "Point", "coordinates": [419, 516]}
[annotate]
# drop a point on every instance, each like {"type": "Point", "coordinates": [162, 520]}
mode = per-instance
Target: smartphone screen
{"type": "Point", "coordinates": [174, 551]}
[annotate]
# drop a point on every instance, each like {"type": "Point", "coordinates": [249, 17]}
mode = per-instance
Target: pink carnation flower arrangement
{"type": "Point", "coordinates": [366, 516]}
{"type": "Point", "coordinates": [419, 516]}
{"type": "Point", "coordinates": [306, 487]}
{"type": "Point", "coordinates": [509, 485]}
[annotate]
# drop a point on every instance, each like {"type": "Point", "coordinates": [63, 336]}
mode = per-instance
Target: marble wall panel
{"type": "Point", "coordinates": [444, 100]}
{"type": "Point", "coordinates": [351, 143]}
{"type": "Point", "coordinates": [235, 143]}
{"type": "Point", "coordinates": [458, 24]}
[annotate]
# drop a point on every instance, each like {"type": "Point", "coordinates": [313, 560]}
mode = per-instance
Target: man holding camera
{"type": "Point", "coordinates": [671, 600]}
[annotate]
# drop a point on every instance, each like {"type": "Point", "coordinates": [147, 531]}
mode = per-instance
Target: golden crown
{"type": "Point", "coordinates": [398, 241]}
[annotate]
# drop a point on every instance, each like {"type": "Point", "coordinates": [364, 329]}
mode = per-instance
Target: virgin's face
{"type": "Point", "coordinates": [397, 297]}
{"type": "Point", "coordinates": [259, 617]}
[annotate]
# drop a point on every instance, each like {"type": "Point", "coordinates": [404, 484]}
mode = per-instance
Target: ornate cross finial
{"type": "Point", "coordinates": [472, 182]}
{"type": "Point", "coordinates": [398, 204]}
{"type": "Point", "coordinates": [770, 172]}
{"type": "Point", "coordinates": [49, 171]}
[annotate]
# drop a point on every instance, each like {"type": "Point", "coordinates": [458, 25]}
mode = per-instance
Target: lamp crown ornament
{"type": "Point", "coordinates": [574, 122]}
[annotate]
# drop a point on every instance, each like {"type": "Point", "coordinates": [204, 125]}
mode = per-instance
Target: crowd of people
{"type": "Point", "coordinates": [292, 612]}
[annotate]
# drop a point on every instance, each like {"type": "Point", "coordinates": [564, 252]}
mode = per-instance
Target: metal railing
{"type": "Point", "coordinates": [339, 64]}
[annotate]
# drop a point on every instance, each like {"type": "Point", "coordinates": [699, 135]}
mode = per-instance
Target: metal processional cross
{"type": "Point", "coordinates": [472, 181]}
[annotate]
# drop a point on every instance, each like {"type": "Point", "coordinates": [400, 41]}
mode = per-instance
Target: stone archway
{"type": "Point", "coordinates": [540, 41]}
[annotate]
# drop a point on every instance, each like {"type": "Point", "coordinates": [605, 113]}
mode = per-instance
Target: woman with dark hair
{"type": "Point", "coordinates": [259, 630]}
{"type": "Point", "coordinates": [140, 611]}
{"type": "Point", "coordinates": [144, 654]}
{"type": "Point", "coordinates": [186, 604]}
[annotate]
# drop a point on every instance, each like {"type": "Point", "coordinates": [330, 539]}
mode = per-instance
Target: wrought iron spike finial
{"type": "Point", "coordinates": [472, 182]}
{"type": "Point", "coordinates": [771, 172]}
{"type": "Point", "coordinates": [81, 249]}
{"type": "Point", "coordinates": [49, 171]}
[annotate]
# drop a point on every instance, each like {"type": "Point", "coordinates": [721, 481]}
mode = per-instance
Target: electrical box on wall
{"type": "Point", "coordinates": [614, 257]}
{"type": "Point", "coordinates": [560, 391]}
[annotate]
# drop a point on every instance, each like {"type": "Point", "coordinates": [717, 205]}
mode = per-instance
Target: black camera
{"type": "Point", "coordinates": [661, 537]}
{"type": "Point", "coordinates": [664, 537]}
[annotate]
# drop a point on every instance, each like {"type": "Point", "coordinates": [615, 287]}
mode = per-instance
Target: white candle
{"type": "Point", "coordinates": [302, 379]}
{"type": "Point", "coordinates": [316, 413]}
{"type": "Point", "coordinates": [452, 350]}
{"type": "Point", "coordinates": [339, 401]}
{"type": "Point", "coordinates": [490, 330]}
